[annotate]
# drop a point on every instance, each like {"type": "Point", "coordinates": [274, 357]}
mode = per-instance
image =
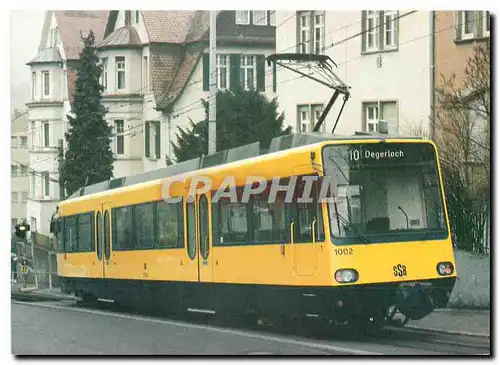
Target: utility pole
{"type": "Point", "coordinates": [212, 112]}
{"type": "Point", "coordinates": [60, 158]}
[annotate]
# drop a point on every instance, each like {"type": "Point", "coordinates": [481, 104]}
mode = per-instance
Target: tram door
{"type": "Point", "coordinates": [204, 239]}
{"type": "Point", "coordinates": [103, 242]}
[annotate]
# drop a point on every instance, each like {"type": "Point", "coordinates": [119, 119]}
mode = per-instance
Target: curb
{"type": "Point", "coordinates": [39, 296]}
{"type": "Point", "coordinates": [440, 330]}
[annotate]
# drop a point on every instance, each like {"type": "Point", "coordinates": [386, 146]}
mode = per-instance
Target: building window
{"type": "Point", "coordinates": [120, 142]}
{"type": "Point", "coordinates": [390, 29]}
{"type": "Point", "coordinates": [120, 73]}
{"type": "Point", "coordinates": [243, 17]}
{"type": "Point", "coordinates": [47, 184]}
{"type": "Point", "coordinates": [104, 76]}
{"type": "Point", "coordinates": [145, 75]}
{"type": "Point", "coordinates": [128, 17]}
{"type": "Point", "coordinates": [272, 17]}
{"type": "Point", "coordinates": [33, 85]}
{"type": "Point", "coordinates": [24, 141]}
{"type": "Point", "coordinates": [468, 22]}
{"type": "Point", "coordinates": [153, 139]}
{"type": "Point", "coordinates": [311, 31]}
{"type": "Point", "coordinates": [24, 196]}
{"type": "Point", "coordinates": [33, 137]}
{"type": "Point", "coordinates": [319, 27]}
{"type": "Point", "coordinates": [137, 17]}
{"type": "Point", "coordinates": [222, 72]}
{"type": "Point", "coordinates": [13, 141]}
{"type": "Point", "coordinates": [486, 23]}
{"type": "Point", "coordinates": [13, 170]}
{"type": "Point", "coordinates": [46, 135]}
{"type": "Point", "coordinates": [24, 170]}
{"type": "Point", "coordinates": [259, 17]}
{"type": "Point", "coordinates": [380, 30]}
{"type": "Point", "coordinates": [13, 196]}
{"type": "Point", "coordinates": [45, 83]}
{"type": "Point", "coordinates": [304, 32]}
{"type": "Point", "coordinates": [374, 112]}
{"type": "Point", "coordinates": [308, 115]}
{"type": "Point", "coordinates": [248, 72]}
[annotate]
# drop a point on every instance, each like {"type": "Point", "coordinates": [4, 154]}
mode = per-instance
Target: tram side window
{"type": "Point", "coordinates": [307, 214]}
{"type": "Point", "coordinates": [70, 234]}
{"type": "Point", "coordinates": [268, 219]}
{"type": "Point", "coordinates": [169, 217]}
{"type": "Point", "coordinates": [85, 232]}
{"type": "Point", "coordinates": [123, 236]}
{"type": "Point", "coordinates": [231, 225]}
{"type": "Point", "coordinates": [144, 225]}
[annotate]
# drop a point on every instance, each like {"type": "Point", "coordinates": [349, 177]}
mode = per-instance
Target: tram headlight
{"type": "Point", "coordinates": [445, 268]}
{"type": "Point", "coordinates": [346, 276]}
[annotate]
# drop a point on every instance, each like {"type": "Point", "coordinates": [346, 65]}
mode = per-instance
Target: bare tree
{"type": "Point", "coordinates": [463, 124]}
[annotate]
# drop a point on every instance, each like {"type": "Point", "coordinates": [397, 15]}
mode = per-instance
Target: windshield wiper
{"type": "Point", "coordinates": [350, 226]}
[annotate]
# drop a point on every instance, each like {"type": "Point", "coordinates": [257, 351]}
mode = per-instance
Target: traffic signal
{"type": "Point", "coordinates": [21, 230]}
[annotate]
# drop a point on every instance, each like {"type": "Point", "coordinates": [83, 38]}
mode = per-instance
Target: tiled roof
{"type": "Point", "coordinates": [73, 23]}
{"type": "Point", "coordinates": [124, 36]}
{"type": "Point", "coordinates": [167, 26]}
{"type": "Point", "coordinates": [164, 64]}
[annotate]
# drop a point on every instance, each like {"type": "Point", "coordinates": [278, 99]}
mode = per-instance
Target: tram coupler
{"type": "Point", "coordinates": [414, 300]}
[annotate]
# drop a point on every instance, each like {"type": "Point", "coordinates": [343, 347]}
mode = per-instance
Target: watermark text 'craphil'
{"type": "Point", "coordinates": [255, 185]}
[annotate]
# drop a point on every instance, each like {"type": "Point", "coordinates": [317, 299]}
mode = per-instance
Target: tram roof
{"type": "Point", "coordinates": [280, 143]}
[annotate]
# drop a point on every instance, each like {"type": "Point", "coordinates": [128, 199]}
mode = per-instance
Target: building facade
{"type": "Point", "coordinates": [53, 78]}
{"type": "Point", "coordinates": [156, 74]}
{"type": "Point", "coordinates": [384, 56]}
{"type": "Point", "coordinates": [19, 181]}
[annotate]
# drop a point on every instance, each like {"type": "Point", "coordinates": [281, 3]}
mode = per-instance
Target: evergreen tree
{"type": "Point", "coordinates": [89, 158]}
{"type": "Point", "coordinates": [243, 117]}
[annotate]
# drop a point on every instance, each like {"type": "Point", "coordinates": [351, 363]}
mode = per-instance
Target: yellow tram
{"type": "Point", "coordinates": [380, 240]}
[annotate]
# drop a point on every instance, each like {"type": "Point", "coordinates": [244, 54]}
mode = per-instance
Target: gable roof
{"type": "Point", "coordinates": [126, 36]}
{"type": "Point", "coordinates": [73, 23]}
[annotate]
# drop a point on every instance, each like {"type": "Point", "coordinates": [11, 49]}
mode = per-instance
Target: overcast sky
{"type": "Point", "coordinates": [25, 32]}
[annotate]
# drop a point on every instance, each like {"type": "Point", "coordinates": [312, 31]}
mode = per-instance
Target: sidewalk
{"type": "Point", "coordinates": [18, 292]}
{"type": "Point", "coordinates": [457, 321]}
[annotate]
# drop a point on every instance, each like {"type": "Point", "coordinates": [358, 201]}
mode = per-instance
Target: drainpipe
{"type": "Point", "coordinates": [433, 73]}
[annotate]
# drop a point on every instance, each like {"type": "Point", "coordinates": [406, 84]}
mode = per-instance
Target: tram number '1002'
{"type": "Point", "coordinates": [343, 251]}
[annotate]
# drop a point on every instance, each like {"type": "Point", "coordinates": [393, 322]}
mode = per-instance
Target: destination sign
{"type": "Point", "coordinates": [382, 153]}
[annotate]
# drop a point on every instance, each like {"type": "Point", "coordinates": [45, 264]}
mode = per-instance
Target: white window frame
{"type": "Point", "coordinates": [321, 27]}
{"type": "Point", "coordinates": [272, 18]}
{"type": "Point", "coordinates": [462, 22]}
{"type": "Point", "coordinates": [222, 63]}
{"type": "Point", "coordinates": [152, 139]}
{"type": "Point", "coordinates": [24, 138]}
{"type": "Point", "coordinates": [121, 67]}
{"type": "Point", "coordinates": [33, 88]}
{"type": "Point", "coordinates": [13, 196]}
{"type": "Point", "coordinates": [45, 81]}
{"type": "Point", "coordinates": [372, 121]}
{"type": "Point", "coordinates": [33, 134]}
{"type": "Point", "coordinates": [46, 134]}
{"type": "Point", "coordinates": [246, 65]}
{"type": "Point", "coordinates": [486, 16]}
{"type": "Point", "coordinates": [104, 76]}
{"type": "Point", "coordinates": [304, 29]}
{"type": "Point", "coordinates": [13, 141]}
{"type": "Point", "coordinates": [390, 25]}
{"type": "Point", "coordinates": [316, 112]}
{"type": "Point", "coordinates": [372, 15]}
{"type": "Point", "coordinates": [243, 17]}
{"type": "Point", "coordinates": [119, 133]}
{"type": "Point", "coordinates": [257, 16]}
{"type": "Point", "coordinates": [304, 124]}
